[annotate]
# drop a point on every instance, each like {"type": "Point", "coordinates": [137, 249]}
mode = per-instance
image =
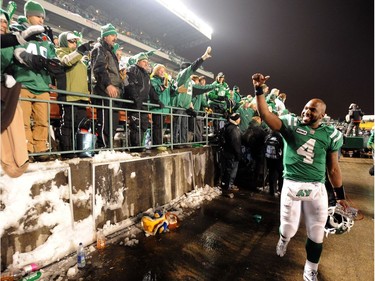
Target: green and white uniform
{"type": "Point", "coordinates": [306, 149]}
{"type": "Point", "coordinates": [305, 154]}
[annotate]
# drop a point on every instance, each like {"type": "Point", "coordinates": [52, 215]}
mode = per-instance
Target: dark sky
{"type": "Point", "coordinates": [310, 48]}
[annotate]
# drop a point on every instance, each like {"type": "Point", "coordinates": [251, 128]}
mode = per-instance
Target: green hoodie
{"type": "Point", "coordinates": [76, 72]}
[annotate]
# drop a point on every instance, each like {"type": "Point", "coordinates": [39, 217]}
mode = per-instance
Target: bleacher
{"type": "Point", "coordinates": [61, 19]}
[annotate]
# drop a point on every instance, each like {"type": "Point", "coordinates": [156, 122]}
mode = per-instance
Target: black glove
{"type": "Point", "coordinates": [161, 105]}
{"type": "Point", "coordinates": [84, 47]}
{"type": "Point", "coordinates": [191, 112]}
{"type": "Point", "coordinates": [30, 60]}
{"type": "Point", "coordinates": [49, 32]}
{"type": "Point", "coordinates": [53, 66]}
{"type": "Point", "coordinates": [37, 62]}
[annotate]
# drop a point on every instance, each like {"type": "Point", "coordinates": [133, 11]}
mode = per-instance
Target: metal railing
{"type": "Point", "coordinates": [119, 138]}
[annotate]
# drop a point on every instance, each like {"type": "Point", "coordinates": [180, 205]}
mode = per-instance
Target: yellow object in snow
{"type": "Point", "coordinates": [152, 226]}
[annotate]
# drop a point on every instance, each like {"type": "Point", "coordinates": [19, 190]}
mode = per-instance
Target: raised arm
{"type": "Point", "coordinates": [271, 119]}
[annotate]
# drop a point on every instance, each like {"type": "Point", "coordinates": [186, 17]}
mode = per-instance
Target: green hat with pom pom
{"type": "Point", "coordinates": [33, 8]}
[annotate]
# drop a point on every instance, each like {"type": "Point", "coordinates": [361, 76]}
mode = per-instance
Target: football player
{"type": "Point", "coordinates": [311, 148]}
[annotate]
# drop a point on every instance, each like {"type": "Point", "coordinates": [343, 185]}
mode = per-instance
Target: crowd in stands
{"type": "Point", "coordinates": [65, 64]}
{"type": "Point", "coordinates": [100, 95]}
{"type": "Point", "coordinates": [92, 75]}
{"type": "Point", "coordinates": [101, 17]}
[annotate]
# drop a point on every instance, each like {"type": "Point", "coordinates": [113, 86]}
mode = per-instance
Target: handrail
{"type": "Point", "coordinates": [122, 145]}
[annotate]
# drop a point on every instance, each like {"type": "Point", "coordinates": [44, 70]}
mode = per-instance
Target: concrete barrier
{"type": "Point", "coordinates": [58, 203]}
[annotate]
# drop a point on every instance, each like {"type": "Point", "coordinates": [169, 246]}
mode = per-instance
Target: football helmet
{"type": "Point", "coordinates": [339, 221]}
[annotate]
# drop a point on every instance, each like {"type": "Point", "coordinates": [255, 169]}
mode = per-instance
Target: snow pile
{"type": "Point", "coordinates": [20, 209]}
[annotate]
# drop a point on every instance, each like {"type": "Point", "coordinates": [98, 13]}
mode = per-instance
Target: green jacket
{"type": "Point", "coordinates": [246, 115]}
{"type": "Point", "coordinates": [219, 94]}
{"type": "Point", "coordinates": [199, 99]}
{"type": "Point", "coordinates": [236, 96]}
{"type": "Point", "coordinates": [76, 73]}
{"type": "Point", "coordinates": [163, 92]}
{"type": "Point", "coordinates": [6, 58]}
{"type": "Point", "coordinates": [183, 80]}
{"type": "Point", "coordinates": [36, 82]}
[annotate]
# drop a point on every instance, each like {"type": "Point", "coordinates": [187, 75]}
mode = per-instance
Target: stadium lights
{"type": "Point", "coordinates": [180, 10]}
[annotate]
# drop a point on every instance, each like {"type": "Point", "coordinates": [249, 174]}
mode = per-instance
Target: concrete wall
{"type": "Point", "coordinates": [122, 189]}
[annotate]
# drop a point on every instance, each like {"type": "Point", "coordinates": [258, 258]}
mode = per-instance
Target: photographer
{"type": "Point", "coordinates": [354, 117]}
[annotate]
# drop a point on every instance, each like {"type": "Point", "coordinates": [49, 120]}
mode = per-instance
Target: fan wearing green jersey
{"type": "Point", "coordinates": [310, 149]}
{"type": "Point", "coordinates": [36, 83]}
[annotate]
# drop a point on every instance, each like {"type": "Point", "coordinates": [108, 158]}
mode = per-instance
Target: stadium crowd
{"type": "Point", "coordinates": [102, 93]}
{"type": "Point", "coordinates": [107, 100]}
{"type": "Point", "coordinates": [101, 17]}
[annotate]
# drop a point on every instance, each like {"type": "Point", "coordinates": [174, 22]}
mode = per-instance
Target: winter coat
{"type": "Point", "coordinates": [76, 73]}
{"type": "Point", "coordinates": [246, 117]}
{"type": "Point", "coordinates": [139, 89]}
{"type": "Point", "coordinates": [219, 94]}
{"type": "Point", "coordinates": [184, 84]}
{"type": "Point", "coordinates": [105, 68]}
{"type": "Point", "coordinates": [356, 115]}
{"type": "Point", "coordinates": [232, 145]}
{"type": "Point", "coordinates": [164, 93]}
{"type": "Point", "coordinates": [36, 82]}
{"type": "Point", "coordinates": [199, 95]}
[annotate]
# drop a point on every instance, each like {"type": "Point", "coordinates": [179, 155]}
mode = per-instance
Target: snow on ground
{"type": "Point", "coordinates": [17, 201]}
{"type": "Point", "coordinates": [126, 235]}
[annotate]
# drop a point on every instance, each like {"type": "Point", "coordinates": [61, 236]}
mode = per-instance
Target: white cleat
{"type": "Point", "coordinates": [281, 247]}
{"type": "Point", "coordinates": [310, 275]}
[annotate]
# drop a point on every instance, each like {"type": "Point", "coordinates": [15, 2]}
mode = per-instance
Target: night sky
{"type": "Point", "coordinates": [310, 48]}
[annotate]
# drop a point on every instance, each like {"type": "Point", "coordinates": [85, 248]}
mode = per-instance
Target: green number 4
{"type": "Point", "coordinates": [307, 151]}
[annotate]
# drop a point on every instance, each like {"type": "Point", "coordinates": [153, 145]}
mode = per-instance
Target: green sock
{"type": "Point", "coordinates": [313, 250]}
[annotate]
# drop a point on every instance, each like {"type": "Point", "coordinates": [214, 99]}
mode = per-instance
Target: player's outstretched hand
{"type": "Point", "coordinates": [207, 54]}
{"type": "Point", "coordinates": [259, 79]}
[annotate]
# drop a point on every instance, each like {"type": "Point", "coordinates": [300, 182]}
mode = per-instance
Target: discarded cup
{"type": "Point", "coordinates": [257, 218]}
{"type": "Point", "coordinates": [100, 240]}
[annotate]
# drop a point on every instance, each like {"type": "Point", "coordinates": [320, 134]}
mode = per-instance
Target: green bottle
{"type": "Point", "coordinates": [33, 276]}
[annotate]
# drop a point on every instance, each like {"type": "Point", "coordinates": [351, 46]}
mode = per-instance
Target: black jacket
{"type": "Point", "coordinates": [105, 67]}
{"type": "Point", "coordinates": [139, 88]}
{"type": "Point", "coordinates": [232, 145]}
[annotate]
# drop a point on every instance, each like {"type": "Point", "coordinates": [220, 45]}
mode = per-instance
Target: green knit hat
{"type": "Point", "coordinates": [21, 19]}
{"type": "Point", "coordinates": [116, 47]}
{"type": "Point", "coordinates": [6, 15]}
{"type": "Point", "coordinates": [108, 29]}
{"type": "Point", "coordinates": [142, 56]}
{"type": "Point", "coordinates": [33, 8]}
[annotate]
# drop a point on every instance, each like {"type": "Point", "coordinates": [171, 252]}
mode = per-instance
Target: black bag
{"type": "Point", "coordinates": [220, 137]}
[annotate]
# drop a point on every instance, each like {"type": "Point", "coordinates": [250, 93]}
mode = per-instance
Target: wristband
{"type": "Point", "coordinates": [259, 90]}
{"type": "Point", "coordinates": [340, 193]}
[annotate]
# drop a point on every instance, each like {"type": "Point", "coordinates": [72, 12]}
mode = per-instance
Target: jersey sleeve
{"type": "Point", "coordinates": [336, 138]}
